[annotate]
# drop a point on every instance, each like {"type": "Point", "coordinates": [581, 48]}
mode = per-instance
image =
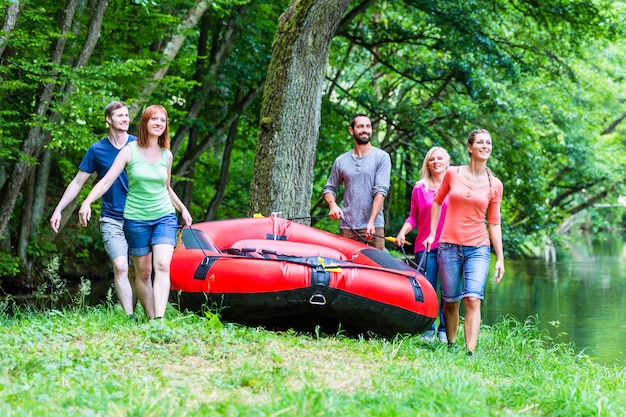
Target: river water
{"type": "Point", "coordinates": [580, 298]}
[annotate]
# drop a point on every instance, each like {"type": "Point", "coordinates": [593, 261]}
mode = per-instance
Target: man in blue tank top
{"type": "Point", "coordinates": [98, 159]}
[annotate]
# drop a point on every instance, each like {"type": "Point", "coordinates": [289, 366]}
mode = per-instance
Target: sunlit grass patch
{"type": "Point", "coordinates": [95, 361]}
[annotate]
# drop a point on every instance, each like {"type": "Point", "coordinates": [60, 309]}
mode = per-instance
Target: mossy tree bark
{"type": "Point", "coordinates": [291, 110]}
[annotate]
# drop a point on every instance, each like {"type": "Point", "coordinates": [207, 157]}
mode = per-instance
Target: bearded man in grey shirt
{"type": "Point", "coordinates": [365, 174]}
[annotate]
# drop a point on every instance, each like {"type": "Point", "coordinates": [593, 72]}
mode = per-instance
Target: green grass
{"type": "Point", "coordinates": [94, 361]}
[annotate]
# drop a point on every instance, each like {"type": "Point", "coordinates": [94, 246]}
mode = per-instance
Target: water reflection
{"type": "Point", "coordinates": [583, 291]}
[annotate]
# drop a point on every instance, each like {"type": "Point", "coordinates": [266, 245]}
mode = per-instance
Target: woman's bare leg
{"type": "Point", "coordinates": [162, 257]}
{"type": "Point", "coordinates": [143, 283]}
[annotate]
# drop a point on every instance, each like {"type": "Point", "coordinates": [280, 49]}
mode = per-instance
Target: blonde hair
{"type": "Point", "coordinates": [426, 175]}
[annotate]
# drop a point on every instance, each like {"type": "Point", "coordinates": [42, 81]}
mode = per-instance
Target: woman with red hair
{"type": "Point", "coordinates": [150, 221]}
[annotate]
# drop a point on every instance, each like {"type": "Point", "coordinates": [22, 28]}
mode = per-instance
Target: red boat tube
{"type": "Point", "coordinates": [271, 268]}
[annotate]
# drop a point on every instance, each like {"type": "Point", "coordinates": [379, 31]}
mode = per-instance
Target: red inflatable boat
{"type": "Point", "coordinates": [270, 268]}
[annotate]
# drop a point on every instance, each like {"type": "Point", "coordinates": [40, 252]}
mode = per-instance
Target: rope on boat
{"type": "Point", "coordinates": [306, 217]}
{"type": "Point", "coordinates": [354, 231]}
{"type": "Point", "coordinates": [408, 260]}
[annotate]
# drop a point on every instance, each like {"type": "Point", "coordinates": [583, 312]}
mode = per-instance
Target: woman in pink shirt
{"type": "Point", "coordinates": [474, 194]}
{"type": "Point", "coordinates": [434, 167]}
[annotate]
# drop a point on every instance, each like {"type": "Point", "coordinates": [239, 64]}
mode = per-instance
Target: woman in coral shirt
{"type": "Point", "coordinates": [474, 194]}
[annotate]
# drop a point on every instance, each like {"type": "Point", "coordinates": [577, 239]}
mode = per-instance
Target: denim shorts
{"type": "Point", "coordinates": [113, 236]}
{"type": "Point", "coordinates": [463, 270]}
{"type": "Point", "coordinates": [143, 234]}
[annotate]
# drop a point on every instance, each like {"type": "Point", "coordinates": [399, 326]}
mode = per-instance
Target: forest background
{"type": "Point", "coordinates": [260, 93]}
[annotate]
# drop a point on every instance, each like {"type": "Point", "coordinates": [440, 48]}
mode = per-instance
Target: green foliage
{"type": "Point", "coordinates": [10, 266]}
{"type": "Point", "coordinates": [546, 78]}
{"type": "Point", "coordinates": [81, 120]}
{"type": "Point", "coordinates": [434, 71]}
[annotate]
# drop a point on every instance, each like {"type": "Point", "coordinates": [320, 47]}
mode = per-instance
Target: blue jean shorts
{"type": "Point", "coordinates": [143, 234]}
{"type": "Point", "coordinates": [463, 270]}
{"type": "Point", "coordinates": [113, 237]}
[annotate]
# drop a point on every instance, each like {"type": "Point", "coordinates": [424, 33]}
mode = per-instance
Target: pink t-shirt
{"type": "Point", "coordinates": [467, 209]}
{"type": "Point", "coordinates": [421, 203]}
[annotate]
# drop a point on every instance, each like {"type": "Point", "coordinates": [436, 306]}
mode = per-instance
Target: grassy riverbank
{"type": "Point", "coordinates": [94, 361]}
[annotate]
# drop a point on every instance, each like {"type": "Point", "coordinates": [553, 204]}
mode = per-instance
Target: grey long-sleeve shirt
{"type": "Point", "coordinates": [362, 179]}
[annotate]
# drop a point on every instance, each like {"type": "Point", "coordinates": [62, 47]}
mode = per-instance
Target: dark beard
{"type": "Point", "coordinates": [361, 140]}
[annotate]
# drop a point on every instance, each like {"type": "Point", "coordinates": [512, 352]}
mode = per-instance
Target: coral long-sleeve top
{"type": "Point", "coordinates": [468, 207]}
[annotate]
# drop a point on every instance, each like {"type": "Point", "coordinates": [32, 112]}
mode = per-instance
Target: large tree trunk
{"type": "Point", "coordinates": [291, 112]}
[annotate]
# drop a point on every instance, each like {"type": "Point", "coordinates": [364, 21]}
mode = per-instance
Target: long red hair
{"type": "Point", "coordinates": [142, 134]}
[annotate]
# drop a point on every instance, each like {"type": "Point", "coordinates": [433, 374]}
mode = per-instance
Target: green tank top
{"type": "Point", "coordinates": [147, 197]}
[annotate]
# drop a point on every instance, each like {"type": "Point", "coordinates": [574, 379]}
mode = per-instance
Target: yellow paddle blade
{"type": "Point", "coordinates": [393, 240]}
